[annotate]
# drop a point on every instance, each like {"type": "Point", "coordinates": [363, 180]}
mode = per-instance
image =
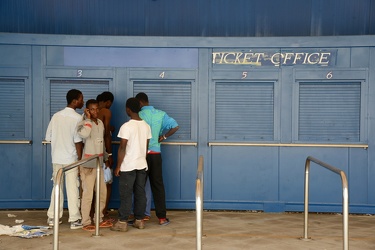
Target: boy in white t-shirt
{"type": "Point", "coordinates": [132, 166]}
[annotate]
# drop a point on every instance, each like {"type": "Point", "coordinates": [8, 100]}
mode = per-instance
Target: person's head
{"type": "Point", "coordinates": [132, 106]}
{"type": "Point", "coordinates": [143, 98]}
{"type": "Point", "coordinates": [99, 98]}
{"type": "Point", "coordinates": [74, 99]}
{"type": "Point", "coordinates": [93, 108]}
{"type": "Point", "coordinates": [106, 97]}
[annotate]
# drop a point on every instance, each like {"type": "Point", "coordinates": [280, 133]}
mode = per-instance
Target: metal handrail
{"type": "Point", "coordinates": [57, 197]}
{"type": "Point", "coordinates": [199, 202]}
{"type": "Point", "coordinates": [176, 143]}
{"type": "Point", "coordinates": [345, 194]}
{"type": "Point", "coordinates": [16, 142]}
{"type": "Point", "coordinates": [328, 145]}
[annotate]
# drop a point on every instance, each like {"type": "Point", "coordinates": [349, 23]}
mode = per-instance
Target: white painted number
{"type": "Point", "coordinates": [79, 73]}
{"type": "Point", "coordinates": [162, 74]}
{"type": "Point", "coordinates": [244, 75]}
{"type": "Point", "coordinates": [329, 75]}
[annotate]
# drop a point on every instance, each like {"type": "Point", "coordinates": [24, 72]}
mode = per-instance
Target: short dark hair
{"type": "Point", "coordinates": [91, 101]}
{"type": "Point", "coordinates": [141, 96]}
{"type": "Point", "coordinates": [73, 94]}
{"type": "Point", "coordinates": [99, 98]}
{"type": "Point", "coordinates": [107, 96]}
{"type": "Point", "coordinates": [133, 104]}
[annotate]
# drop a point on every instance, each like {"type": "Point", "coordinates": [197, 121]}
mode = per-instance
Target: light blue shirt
{"type": "Point", "coordinates": [158, 121]}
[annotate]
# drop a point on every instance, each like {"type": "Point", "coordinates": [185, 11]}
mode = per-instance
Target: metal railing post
{"type": "Point", "coordinates": [306, 223]}
{"type": "Point", "coordinates": [97, 198]}
{"type": "Point", "coordinates": [345, 211]}
{"type": "Point", "coordinates": [345, 195]}
{"type": "Point", "coordinates": [199, 202]}
{"type": "Point", "coordinates": [57, 187]}
{"type": "Point", "coordinates": [56, 211]}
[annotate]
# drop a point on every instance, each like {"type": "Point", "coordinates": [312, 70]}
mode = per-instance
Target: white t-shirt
{"type": "Point", "coordinates": [62, 133]}
{"type": "Point", "coordinates": [137, 133]}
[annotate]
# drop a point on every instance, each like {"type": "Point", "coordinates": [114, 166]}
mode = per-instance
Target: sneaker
{"type": "Point", "coordinates": [140, 224]}
{"type": "Point", "coordinates": [146, 218]}
{"type": "Point", "coordinates": [164, 221]}
{"type": "Point", "coordinates": [121, 226]}
{"type": "Point", "coordinates": [50, 222]}
{"type": "Point", "coordinates": [76, 224]}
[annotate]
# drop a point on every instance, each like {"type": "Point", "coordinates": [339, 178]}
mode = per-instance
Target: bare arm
{"type": "Point", "coordinates": [169, 133]}
{"type": "Point", "coordinates": [106, 118]}
{"type": "Point", "coordinates": [120, 156]}
{"type": "Point", "coordinates": [79, 148]}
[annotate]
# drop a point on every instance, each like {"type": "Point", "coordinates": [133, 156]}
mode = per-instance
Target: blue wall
{"type": "Point", "coordinates": [207, 18]}
{"type": "Point", "coordinates": [242, 171]}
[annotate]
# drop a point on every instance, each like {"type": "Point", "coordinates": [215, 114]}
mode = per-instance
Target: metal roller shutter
{"type": "Point", "coordinates": [89, 88]}
{"type": "Point", "coordinates": [12, 114]}
{"type": "Point", "coordinates": [174, 97]}
{"type": "Point", "coordinates": [329, 112]}
{"type": "Point", "coordinates": [244, 111]}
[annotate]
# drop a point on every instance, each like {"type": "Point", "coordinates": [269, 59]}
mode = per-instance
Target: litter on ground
{"type": "Point", "coordinates": [25, 231]}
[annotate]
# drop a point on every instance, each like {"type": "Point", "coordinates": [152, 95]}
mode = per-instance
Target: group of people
{"type": "Point", "coordinates": [139, 166]}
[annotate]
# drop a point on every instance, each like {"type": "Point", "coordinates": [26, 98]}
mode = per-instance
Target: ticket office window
{"type": "Point", "coordinates": [14, 114]}
{"type": "Point", "coordinates": [89, 88]}
{"type": "Point", "coordinates": [330, 111]}
{"type": "Point", "coordinates": [173, 97]}
{"type": "Point", "coordinates": [244, 111]}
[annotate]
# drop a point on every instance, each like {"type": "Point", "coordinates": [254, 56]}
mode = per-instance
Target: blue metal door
{"type": "Point", "coordinates": [16, 151]}
{"type": "Point", "coordinates": [55, 100]}
{"type": "Point", "coordinates": [174, 91]}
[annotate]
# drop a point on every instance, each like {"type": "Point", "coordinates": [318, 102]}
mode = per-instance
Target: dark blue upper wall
{"type": "Point", "coordinates": [226, 18]}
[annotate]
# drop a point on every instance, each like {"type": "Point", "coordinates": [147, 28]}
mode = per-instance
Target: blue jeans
{"type": "Point", "coordinates": [132, 182]}
{"type": "Point", "coordinates": [148, 197]}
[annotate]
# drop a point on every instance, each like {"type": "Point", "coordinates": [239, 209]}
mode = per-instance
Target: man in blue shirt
{"type": "Point", "coordinates": [159, 121]}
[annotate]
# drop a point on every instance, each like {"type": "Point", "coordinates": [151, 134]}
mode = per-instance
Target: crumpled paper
{"type": "Point", "coordinates": [25, 231]}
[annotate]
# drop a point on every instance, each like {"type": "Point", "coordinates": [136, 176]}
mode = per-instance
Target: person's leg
{"type": "Point", "coordinates": [72, 191]}
{"type": "Point", "coordinates": [88, 182]}
{"type": "Point", "coordinates": [108, 195]}
{"type": "Point", "coordinates": [148, 197]}
{"type": "Point", "coordinates": [102, 195]}
{"type": "Point", "coordinates": [139, 194]}
{"type": "Point", "coordinates": [108, 192]}
{"type": "Point", "coordinates": [50, 212]}
{"type": "Point", "coordinates": [157, 186]}
{"type": "Point", "coordinates": [92, 210]}
{"type": "Point", "coordinates": [126, 183]}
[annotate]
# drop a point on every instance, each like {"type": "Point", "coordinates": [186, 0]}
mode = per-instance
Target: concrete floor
{"type": "Point", "coordinates": [222, 230]}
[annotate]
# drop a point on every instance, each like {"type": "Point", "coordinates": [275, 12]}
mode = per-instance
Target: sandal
{"type": "Point", "coordinates": [110, 220]}
{"type": "Point", "coordinates": [164, 221]}
{"type": "Point", "coordinates": [105, 223]}
{"type": "Point", "coordinates": [90, 228]}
